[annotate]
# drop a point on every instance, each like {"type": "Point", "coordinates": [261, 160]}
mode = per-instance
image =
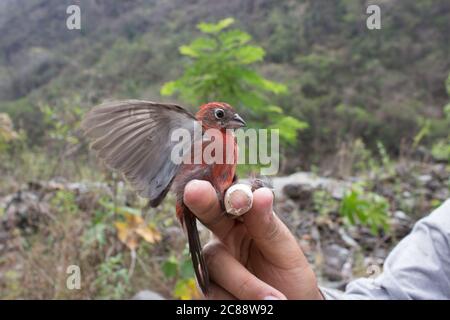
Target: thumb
{"type": "Point", "coordinates": [273, 238]}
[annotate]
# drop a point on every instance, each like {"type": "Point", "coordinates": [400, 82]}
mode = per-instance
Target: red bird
{"type": "Point", "coordinates": [134, 137]}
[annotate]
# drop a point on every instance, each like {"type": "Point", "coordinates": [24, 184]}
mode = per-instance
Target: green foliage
{"type": "Point", "coordinates": [65, 203]}
{"type": "Point", "coordinates": [315, 47]}
{"type": "Point", "coordinates": [112, 280]}
{"type": "Point", "coordinates": [180, 270]}
{"type": "Point", "coordinates": [441, 148]}
{"type": "Point", "coordinates": [220, 69]}
{"type": "Point", "coordinates": [355, 158]}
{"type": "Point", "coordinates": [95, 235]}
{"type": "Point", "coordinates": [424, 131]}
{"type": "Point", "coordinates": [366, 208]}
{"type": "Point", "coordinates": [447, 111]}
{"type": "Point", "coordinates": [63, 123]}
{"type": "Point", "coordinates": [174, 267]}
{"type": "Point", "coordinates": [447, 87]}
{"type": "Point", "coordinates": [214, 28]}
{"type": "Point", "coordinates": [7, 133]}
{"type": "Point", "coordinates": [384, 156]}
{"type": "Point", "coordinates": [324, 203]}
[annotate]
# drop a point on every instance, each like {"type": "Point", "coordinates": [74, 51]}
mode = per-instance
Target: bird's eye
{"type": "Point", "coordinates": [219, 113]}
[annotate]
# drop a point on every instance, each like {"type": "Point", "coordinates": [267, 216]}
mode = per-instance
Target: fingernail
{"type": "Point", "coordinates": [195, 181]}
{"type": "Point", "coordinates": [271, 298]}
{"type": "Point", "coordinates": [195, 184]}
{"type": "Point", "coordinates": [191, 183]}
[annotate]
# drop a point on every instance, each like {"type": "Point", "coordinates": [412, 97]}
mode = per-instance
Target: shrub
{"type": "Point", "coordinates": [366, 208]}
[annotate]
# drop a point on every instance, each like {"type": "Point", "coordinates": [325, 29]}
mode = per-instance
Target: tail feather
{"type": "Point", "coordinates": [195, 249]}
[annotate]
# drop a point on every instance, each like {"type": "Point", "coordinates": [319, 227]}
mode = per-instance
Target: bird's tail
{"type": "Point", "coordinates": [189, 222]}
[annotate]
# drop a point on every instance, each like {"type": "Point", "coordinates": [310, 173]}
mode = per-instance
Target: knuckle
{"type": "Point", "coordinates": [273, 229]}
{"type": "Point", "coordinates": [244, 288]}
{"type": "Point", "coordinates": [211, 252]}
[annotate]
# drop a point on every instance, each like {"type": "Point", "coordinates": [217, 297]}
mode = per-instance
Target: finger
{"type": "Point", "coordinates": [201, 199]}
{"type": "Point", "coordinates": [233, 277]}
{"type": "Point", "coordinates": [218, 293]}
{"type": "Point", "coordinates": [270, 234]}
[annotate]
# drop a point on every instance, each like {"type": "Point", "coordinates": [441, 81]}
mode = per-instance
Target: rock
{"type": "Point", "coordinates": [23, 210]}
{"type": "Point", "coordinates": [424, 179]}
{"type": "Point", "coordinates": [380, 254]}
{"type": "Point", "coordinates": [300, 192]}
{"type": "Point", "coordinates": [440, 172]}
{"type": "Point", "coordinates": [174, 237]}
{"type": "Point", "coordinates": [400, 215]}
{"type": "Point", "coordinates": [305, 226]}
{"type": "Point", "coordinates": [401, 223]}
{"type": "Point", "coordinates": [147, 295]}
{"type": "Point", "coordinates": [442, 194]}
{"type": "Point", "coordinates": [4, 236]}
{"type": "Point", "coordinates": [303, 182]}
{"type": "Point", "coordinates": [285, 207]}
{"type": "Point", "coordinates": [407, 194]}
{"type": "Point", "coordinates": [347, 239]}
{"type": "Point", "coordinates": [335, 258]}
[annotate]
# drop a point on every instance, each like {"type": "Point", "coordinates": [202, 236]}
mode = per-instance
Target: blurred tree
{"type": "Point", "coordinates": [220, 69]}
{"type": "Point", "coordinates": [7, 133]}
{"type": "Point", "coordinates": [441, 149]}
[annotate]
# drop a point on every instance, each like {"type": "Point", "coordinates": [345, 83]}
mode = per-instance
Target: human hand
{"type": "Point", "coordinates": [256, 258]}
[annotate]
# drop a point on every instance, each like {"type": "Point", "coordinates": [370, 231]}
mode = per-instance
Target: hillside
{"type": "Point", "coordinates": [346, 81]}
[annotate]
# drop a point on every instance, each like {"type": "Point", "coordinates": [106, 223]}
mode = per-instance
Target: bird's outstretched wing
{"type": "Point", "coordinates": [134, 137]}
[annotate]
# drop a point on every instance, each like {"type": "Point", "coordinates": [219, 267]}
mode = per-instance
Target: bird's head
{"type": "Point", "coordinates": [219, 115]}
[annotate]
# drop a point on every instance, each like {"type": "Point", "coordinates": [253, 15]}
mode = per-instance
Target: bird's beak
{"type": "Point", "coordinates": [237, 122]}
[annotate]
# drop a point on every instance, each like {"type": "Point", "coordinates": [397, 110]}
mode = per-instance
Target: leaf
{"type": "Point", "coordinates": [186, 289]}
{"type": "Point", "coordinates": [441, 150]}
{"type": "Point", "coordinates": [277, 88]}
{"type": "Point", "coordinates": [370, 209]}
{"type": "Point", "coordinates": [288, 127]}
{"type": "Point", "coordinates": [133, 228]}
{"type": "Point", "coordinates": [123, 210]}
{"type": "Point", "coordinates": [255, 79]}
{"type": "Point", "coordinates": [274, 109]}
{"type": "Point", "coordinates": [149, 233]}
{"type": "Point", "coordinates": [214, 28]}
{"type": "Point", "coordinates": [186, 269]}
{"type": "Point", "coordinates": [170, 267]}
{"type": "Point", "coordinates": [252, 100]}
{"type": "Point", "coordinates": [169, 88]}
{"type": "Point", "coordinates": [188, 51]}
{"type": "Point", "coordinates": [234, 38]}
{"type": "Point", "coordinates": [126, 235]}
{"type": "Point", "coordinates": [249, 54]}
{"type": "Point", "coordinates": [203, 44]}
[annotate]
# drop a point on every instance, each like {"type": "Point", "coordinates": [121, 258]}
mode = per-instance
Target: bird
{"type": "Point", "coordinates": [133, 137]}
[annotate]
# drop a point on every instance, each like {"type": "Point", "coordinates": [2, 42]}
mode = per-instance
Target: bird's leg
{"type": "Point", "coordinates": [221, 201]}
{"type": "Point", "coordinates": [260, 182]}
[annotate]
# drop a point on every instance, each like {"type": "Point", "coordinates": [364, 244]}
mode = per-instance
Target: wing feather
{"type": "Point", "coordinates": [133, 137]}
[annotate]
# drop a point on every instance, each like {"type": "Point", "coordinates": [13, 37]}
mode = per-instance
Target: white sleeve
{"type": "Point", "coordinates": [417, 268]}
